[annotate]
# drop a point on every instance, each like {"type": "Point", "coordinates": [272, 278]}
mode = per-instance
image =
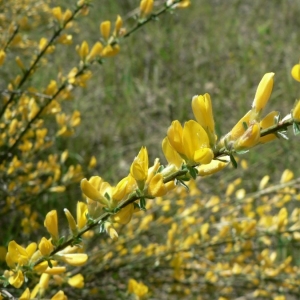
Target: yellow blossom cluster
{"type": "Point", "coordinates": [231, 242]}
{"type": "Point", "coordinates": [33, 120]}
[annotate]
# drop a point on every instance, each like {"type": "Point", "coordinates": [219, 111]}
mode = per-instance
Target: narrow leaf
{"type": "Point", "coordinates": [233, 161]}
{"type": "Point", "coordinates": [296, 128]}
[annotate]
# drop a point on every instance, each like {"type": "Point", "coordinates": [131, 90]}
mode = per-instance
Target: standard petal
{"type": "Point", "coordinates": [263, 92]}
{"type": "Point", "coordinates": [194, 137]}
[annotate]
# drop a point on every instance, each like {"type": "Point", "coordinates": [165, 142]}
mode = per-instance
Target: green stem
{"type": "Point", "coordinates": [49, 100]}
{"type": "Point", "coordinates": [36, 61]}
{"type": "Point", "coordinates": [279, 127]}
{"type": "Point", "coordinates": [11, 38]}
{"type": "Point", "coordinates": [271, 130]}
{"type": "Point", "coordinates": [153, 16]}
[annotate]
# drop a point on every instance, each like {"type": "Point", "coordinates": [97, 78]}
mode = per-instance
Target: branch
{"type": "Point", "coordinates": [40, 55]}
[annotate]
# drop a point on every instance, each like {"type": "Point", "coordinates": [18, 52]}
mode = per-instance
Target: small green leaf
{"type": "Point", "coordinates": [282, 134]}
{"type": "Point", "coordinates": [296, 128]}
{"type": "Point", "coordinates": [160, 168]}
{"type": "Point", "coordinates": [107, 196]}
{"type": "Point", "coordinates": [143, 203]}
{"type": "Point", "coordinates": [245, 125]}
{"type": "Point", "coordinates": [233, 161]}
{"type": "Point", "coordinates": [180, 182]}
{"type": "Point", "coordinates": [49, 264]}
{"type": "Point", "coordinates": [4, 281]}
{"type": "Point", "coordinates": [184, 167]}
{"type": "Point", "coordinates": [193, 172]}
{"type": "Point", "coordinates": [100, 61]}
{"type": "Point", "coordinates": [76, 241]}
{"type": "Point", "coordinates": [90, 220]}
{"type": "Point", "coordinates": [241, 152]}
{"type": "Point", "coordinates": [277, 119]}
{"type": "Point", "coordinates": [185, 177]}
{"type": "Point", "coordinates": [101, 227]}
{"type": "Point", "coordinates": [61, 240]}
{"type": "Point", "coordinates": [117, 209]}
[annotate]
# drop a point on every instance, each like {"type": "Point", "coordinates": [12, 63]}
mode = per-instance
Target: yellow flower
{"type": "Point", "coordinates": [57, 189]}
{"type": "Point", "coordinates": [51, 88]}
{"type": "Point", "coordinates": [109, 50]}
{"type": "Point", "coordinates": [59, 296]}
{"type": "Point", "coordinates": [181, 4]}
{"type": "Point", "coordinates": [139, 167]}
{"type": "Point", "coordinates": [266, 122]}
{"type": "Point", "coordinates": [118, 25]}
{"type": "Point", "coordinates": [67, 16]}
{"type": "Point", "coordinates": [57, 13]}
{"type": "Point", "coordinates": [111, 231]}
{"type": "Point", "coordinates": [71, 221]}
{"type": "Point", "coordinates": [42, 267]}
{"type": "Point", "coordinates": [286, 176]}
{"type": "Point", "coordinates": [238, 130]}
{"type": "Point", "coordinates": [196, 144]}
{"type": "Point", "coordinates": [153, 170]}
{"type": "Point", "coordinates": [213, 167]}
{"type": "Point", "coordinates": [55, 270]}
{"type": "Point", "coordinates": [16, 254]}
{"type": "Point", "coordinates": [75, 118]}
{"type": "Point", "coordinates": [156, 186]}
{"type": "Point", "coordinates": [76, 281]}
{"type": "Point", "coordinates": [249, 139]}
{"type": "Point", "coordinates": [124, 215]}
{"type": "Point", "coordinates": [203, 113]}
{"type": "Point", "coordinates": [174, 133]}
{"type": "Point", "coordinates": [105, 29]}
{"type": "Point", "coordinates": [263, 92]}
{"type": "Point", "coordinates": [20, 63]}
{"type": "Point", "coordinates": [51, 224]}
{"type": "Point", "coordinates": [296, 111]}
{"type": "Point", "coordinates": [73, 259]}
{"type": "Point", "coordinates": [16, 279]}
{"type": "Point", "coordinates": [137, 288]}
{"type": "Point", "coordinates": [296, 72]}
{"type": "Point", "coordinates": [91, 189]}
{"type": "Point", "coordinates": [83, 50]}
{"type": "Point", "coordinates": [65, 39]}
{"type": "Point", "coordinates": [92, 163]}
{"type": "Point", "coordinates": [34, 291]}
{"type": "Point", "coordinates": [2, 57]}
{"type": "Point", "coordinates": [184, 3]}
{"type": "Point", "coordinates": [146, 7]}
{"type": "Point", "coordinates": [95, 51]}
{"type": "Point", "coordinates": [25, 295]}
{"type": "Point", "coordinates": [191, 142]}
{"type": "Point", "coordinates": [171, 155]}
{"type": "Point", "coordinates": [81, 214]}
{"type": "Point", "coordinates": [45, 246]}
{"type": "Point", "coordinates": [44, 282]}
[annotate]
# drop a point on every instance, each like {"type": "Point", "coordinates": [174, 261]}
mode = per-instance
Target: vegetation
{"type": "Point", "coordinates": [87, 87]}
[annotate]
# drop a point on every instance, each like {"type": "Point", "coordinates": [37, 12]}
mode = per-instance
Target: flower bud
{"type": "Point", "coordinates": [263, 92]}
{"type": "Point", "coordinates": [51, 224]}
